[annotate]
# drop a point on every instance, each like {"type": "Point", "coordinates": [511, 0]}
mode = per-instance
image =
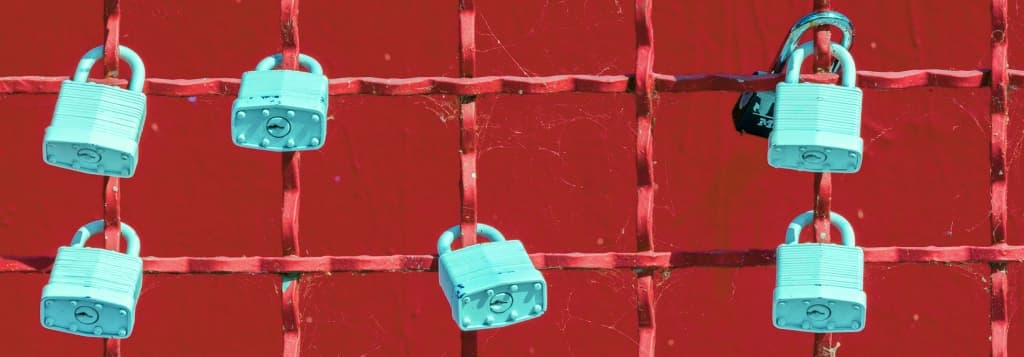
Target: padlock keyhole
{"type": "Point", "coordinates": [501, 302]}
{"type": "Point", "coordinates": [278, 127]}
{"type": "Point", "coordinates": [88, 155]}
{"type": "Point", "coordinates": [86, 315]}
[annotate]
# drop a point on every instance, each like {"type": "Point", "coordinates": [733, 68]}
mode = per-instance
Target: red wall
{"type": "Point", "coordinates": [556, 171]}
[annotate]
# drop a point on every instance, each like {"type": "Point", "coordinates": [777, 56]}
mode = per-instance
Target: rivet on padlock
{"type": "Point", "coordinates": [754, 112]}
{"type": "Point", "coordinates": [280, 110]}
{"type": "Point", "coordinates": [817, 126]}
{"type": "Point", "coordinates": [489, 285]}
{"type": "Point", "coordinates": [96, 128]}
{"type": "Point", "coordinates": [93, 292]}
{"type": "Point", "coordinates": [819, 287]}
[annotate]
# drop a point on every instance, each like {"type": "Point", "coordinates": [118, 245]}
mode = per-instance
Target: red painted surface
{"type": "Point", "coordinates": [557, 171]}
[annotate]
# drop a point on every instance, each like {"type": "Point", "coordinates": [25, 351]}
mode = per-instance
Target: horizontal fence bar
{"type": "Point", "coordinates": [585, 261]}
{"type": "Point", "coordinates": [535, 85]}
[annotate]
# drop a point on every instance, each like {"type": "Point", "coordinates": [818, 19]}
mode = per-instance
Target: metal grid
{"type": "Point", "coordinates": [644, 83]}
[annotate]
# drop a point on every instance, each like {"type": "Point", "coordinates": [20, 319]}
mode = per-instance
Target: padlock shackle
{"type": "Point", "coordinates": [798, 223]}
{"type": "Point", "coordinates": [444, 244]}
{"type": "Point", "coordinates": [814, 19]}
{"type": "Point", "coordinates": [849, 75]}
{"type": "Point", "coordinates": [274, 60]}
{"type": "Point", "coordinates": [89, 59]}
{"type": "Point", "coordinates": [96, 227]}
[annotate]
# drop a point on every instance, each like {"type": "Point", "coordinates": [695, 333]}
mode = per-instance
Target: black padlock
{"type": "Point", "coordinates": [754, 112]}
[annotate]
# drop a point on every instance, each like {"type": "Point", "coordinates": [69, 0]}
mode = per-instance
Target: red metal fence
{"type": "Point", "coordinates": [644, 83]}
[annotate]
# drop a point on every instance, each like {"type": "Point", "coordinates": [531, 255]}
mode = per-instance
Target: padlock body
{"type": "Point", "coordinates": [754, 112]}
{"type": "Point", "coordinates": [817, 128]}
{"type": "Point", "coordinates": [92, 292]}
{"type": "Point", "coordinates": [491, 285]}
{"type": "Point", "coordinates": [280, 110]}
{"type": "Point", "coordinates": [95, 129]}
{"type": "Point", "coordinates": [819, 288]}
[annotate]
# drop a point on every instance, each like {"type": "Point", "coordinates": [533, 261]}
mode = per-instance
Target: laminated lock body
{"type": "Point", "coordinates": [92, 292]}
{"type": "Point", "coordinates": [816, 128]}
{"type": "Point", "coordinates": [754, 112]}
{"type": "Point", "coordinates": [492, 285]}
{"type": "Point", "coordinates": [280, 110]}
{"type": "Point", "coordinates": [95, 129]}
{"type": "Point", "coordinates": [819, 288]}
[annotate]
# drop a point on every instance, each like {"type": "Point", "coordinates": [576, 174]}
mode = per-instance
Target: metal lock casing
{"type": "Point", "coordinates": [281, 110]}
{"type": "Point", "coordinates": [819, 287]}
{"type": "Point", "coordinates": [490, 285]}
{"type": "Point", "coordinates": [96, 128]}
{"type": "Point", "coordinates": [93, 292]}
{"type": "Point", "coordinates": [754, 112]}
{"type": "Point", "coordinates": [817, 126]}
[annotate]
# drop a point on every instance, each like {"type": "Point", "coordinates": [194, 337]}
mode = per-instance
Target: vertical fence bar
{"type": "Point", "coordinates": [111, 185]}
{"type": "Point", "coordinates": [645, 173]}
{"type": "Point", "coordinates": [998, 176]}
{"type": "Point", "coordinates": [467, 146]}
{"type": "Point", "coordinates": [822, 181]}
{"type": "Point", "coordinates": [291, 189]}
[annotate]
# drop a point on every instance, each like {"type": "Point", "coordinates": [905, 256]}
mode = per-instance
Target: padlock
{"type": "Point", "coordinates": [754, 112]}
{"type": "Point", "coordinates": [96, 128]}
{"type": "Point", "coordinates": [281, 110]}
{"type": "Point", "coordinates": [817, 126]}
{"type": "Point", "coordinates": [819, 287]}
{"type": "Point", "coordinates": [93, 292]}
{"type": "Point", "coordinates": [489, 285]}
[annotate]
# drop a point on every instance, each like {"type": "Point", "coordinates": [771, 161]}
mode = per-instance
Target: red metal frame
{"type": "Point", "coordinates": [291, 190]}
{"type": "Point", "coordinates": [644, 81]}
{"type": "Point", "coordinates": [467, 146]}
{"type": "Point", "coordinates": [644, 84]}
{"type": "Point", "coordinates": [111, 185]}
{"type": "Point", "coordinates": [999, 171]}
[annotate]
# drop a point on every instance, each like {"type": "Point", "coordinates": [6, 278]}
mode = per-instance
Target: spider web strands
{"type": "Point", "coordinates": [567, 83]}
{"type": "Point", "coordinates": [1003, 254]}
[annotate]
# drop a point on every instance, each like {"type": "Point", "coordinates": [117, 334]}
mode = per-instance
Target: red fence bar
{"type": "Point", "coordinates": [998, 174]}
{"type": "Point", "coordinates": [645, 173]}
{"type": "Point", "coordinates": [467, 147]}
{"type": "Point", "coordinates": [1006, 254]}
{"type": "Point", "coordinates": [291, 190]}
{"type": "Point", "coordinates": [111, 185]}
{"type": "Point", "coordinates": [917, 78]}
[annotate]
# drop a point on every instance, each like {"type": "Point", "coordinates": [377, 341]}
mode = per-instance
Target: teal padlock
{"type": "Point", "coordinates": [489, 285]}
{"type": "Point", "coordinates": [281, 110]}
{"type": "Point", "coordinates": [819, 287]}
{"type": "Point", "coordinates": [93, 292]}
{"type": "Point", "coordinates": [96, 128]}
{"type": "Point", "coordinates": [817, 126]}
